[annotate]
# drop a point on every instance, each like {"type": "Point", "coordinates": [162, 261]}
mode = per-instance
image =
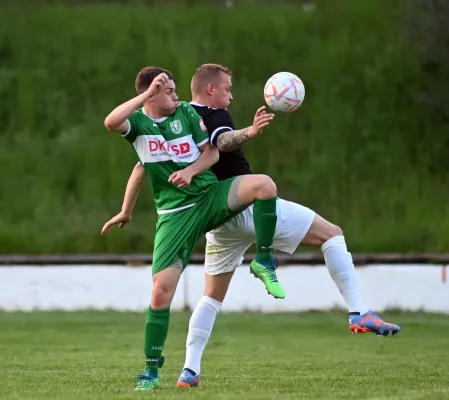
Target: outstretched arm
{"type": "Point", "coordinates": [233, 139]}
{"type": "Point", "coordinates": [135, 183]}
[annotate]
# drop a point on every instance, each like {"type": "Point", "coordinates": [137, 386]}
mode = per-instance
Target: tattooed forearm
{"type": "Point", "coordinates": [232, 140]}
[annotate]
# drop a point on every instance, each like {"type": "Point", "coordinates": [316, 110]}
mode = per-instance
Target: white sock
{"type": "Point", "coordinates": [341, 269]}
{"type": "Point", "coordinates": [200, 327]}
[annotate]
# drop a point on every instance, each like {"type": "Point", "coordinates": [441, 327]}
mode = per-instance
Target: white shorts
{"type": "Point", "coordinates": [226, 245]}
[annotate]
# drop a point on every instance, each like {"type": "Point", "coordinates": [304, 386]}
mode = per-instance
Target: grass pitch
{"type": "Point", "coordinates": [95, 355]}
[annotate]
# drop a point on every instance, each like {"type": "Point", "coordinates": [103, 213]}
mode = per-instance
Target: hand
{"type": "Point", "coordinates": [261, 120]}
{"type": "Point", "coordinates": [157, 84]}
{"type": "Point", "coordinates": [181, 178]}
{"type": "Point", "coordinates": [121, 219]}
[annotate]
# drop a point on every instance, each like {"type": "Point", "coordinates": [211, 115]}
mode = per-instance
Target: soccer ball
{"type": "Point", "coordinates": [284, 92]}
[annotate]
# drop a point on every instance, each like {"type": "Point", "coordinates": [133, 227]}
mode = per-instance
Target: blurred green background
{"type": "Point", "coordinates": [368, 149]}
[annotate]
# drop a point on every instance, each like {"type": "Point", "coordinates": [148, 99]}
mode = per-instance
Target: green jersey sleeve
{"type": "Point", "coordinates": [132, 132]}
{"type": "Point", "coordinates": [199, 130]}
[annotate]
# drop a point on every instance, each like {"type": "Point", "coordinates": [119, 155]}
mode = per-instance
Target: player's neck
{"type": "Point", "coordinates": [152, 113]}
{"type": "Point", "coordinates": [199, 100]}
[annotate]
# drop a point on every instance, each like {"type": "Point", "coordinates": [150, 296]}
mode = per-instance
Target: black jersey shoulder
{"type": "Point", "coordinates": [217, 121]}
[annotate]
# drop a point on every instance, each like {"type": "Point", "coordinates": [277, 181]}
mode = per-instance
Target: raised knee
{"type": "Point", "coordinates": [330, 232]}
{"type": "Point", "coordinates": [335, 231]}
{"type": "Point", "coordinates": [265, 187]}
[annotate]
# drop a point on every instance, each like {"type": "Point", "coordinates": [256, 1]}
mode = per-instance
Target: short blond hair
{"type": "Point", "coordinates": [206, 74]}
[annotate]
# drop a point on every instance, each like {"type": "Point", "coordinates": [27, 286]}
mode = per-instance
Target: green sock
{"type": "Point", "coordinates": [156, 330]}
{"type": "Point", "coordinates": [265, 219]}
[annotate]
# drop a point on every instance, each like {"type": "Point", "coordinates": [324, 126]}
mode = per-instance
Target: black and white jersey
{"type": "Point", "coordinates": [218, 121]}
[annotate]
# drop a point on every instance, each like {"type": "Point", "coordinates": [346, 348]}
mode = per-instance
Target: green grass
{"type": "Point", "coordinates": [95, 355]}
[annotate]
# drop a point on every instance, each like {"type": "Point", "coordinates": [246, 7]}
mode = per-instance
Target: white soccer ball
{"type": "Point", "coordinates": [284, 92]}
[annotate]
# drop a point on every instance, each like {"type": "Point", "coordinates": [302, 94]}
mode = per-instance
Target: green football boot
{"type": "Point", "coordinates": [266, 272]}
{"type": "Point", "coordinates": [147, 381]}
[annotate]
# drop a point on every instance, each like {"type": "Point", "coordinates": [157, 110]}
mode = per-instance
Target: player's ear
{"type": "Point", "coordinates": [210, 89]}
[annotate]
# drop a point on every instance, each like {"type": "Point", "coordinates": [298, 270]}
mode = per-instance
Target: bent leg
{"type": "Point", "coordinates": [262, 191]}
{"type": "Point", "coordinates": [330, 239]}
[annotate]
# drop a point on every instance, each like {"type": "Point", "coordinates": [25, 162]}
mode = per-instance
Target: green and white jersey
{"type": "Point", "coordinates": [167, 145]}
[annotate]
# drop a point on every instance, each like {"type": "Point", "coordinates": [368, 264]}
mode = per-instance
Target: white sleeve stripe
{"type": "Point", "coordinates": [203, 142]}
{"type": "Point", "coordinates": [129, 129]}
{"type": "Point", "coordinates": [221, 128]}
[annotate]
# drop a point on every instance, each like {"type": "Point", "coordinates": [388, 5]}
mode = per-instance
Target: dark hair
{"type": "Point", "coordinates": [146, 76]}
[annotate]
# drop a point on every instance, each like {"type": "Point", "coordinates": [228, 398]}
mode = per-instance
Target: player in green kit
{"type": "Point", "coordinates": [172, 144]}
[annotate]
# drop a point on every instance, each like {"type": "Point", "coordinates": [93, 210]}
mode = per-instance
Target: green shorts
{"type": "Point", "coordinates": [178, 232]}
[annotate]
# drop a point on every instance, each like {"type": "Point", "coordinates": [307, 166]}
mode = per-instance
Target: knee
{"type": "Point", "coordinates": [335, 230]}
{"type": "Point", "coordinates": [330, 232]}
{"type": "Point", "coordinates": [217, 294]}
{"type": "Point", "coordinates": [321, 231]}
{"type": "Point", "coordinates": [217, 286]}
{"type": "Point", "coordinates": [264, 187]}
{"type": "Point", "coordinates": [162, 295]}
